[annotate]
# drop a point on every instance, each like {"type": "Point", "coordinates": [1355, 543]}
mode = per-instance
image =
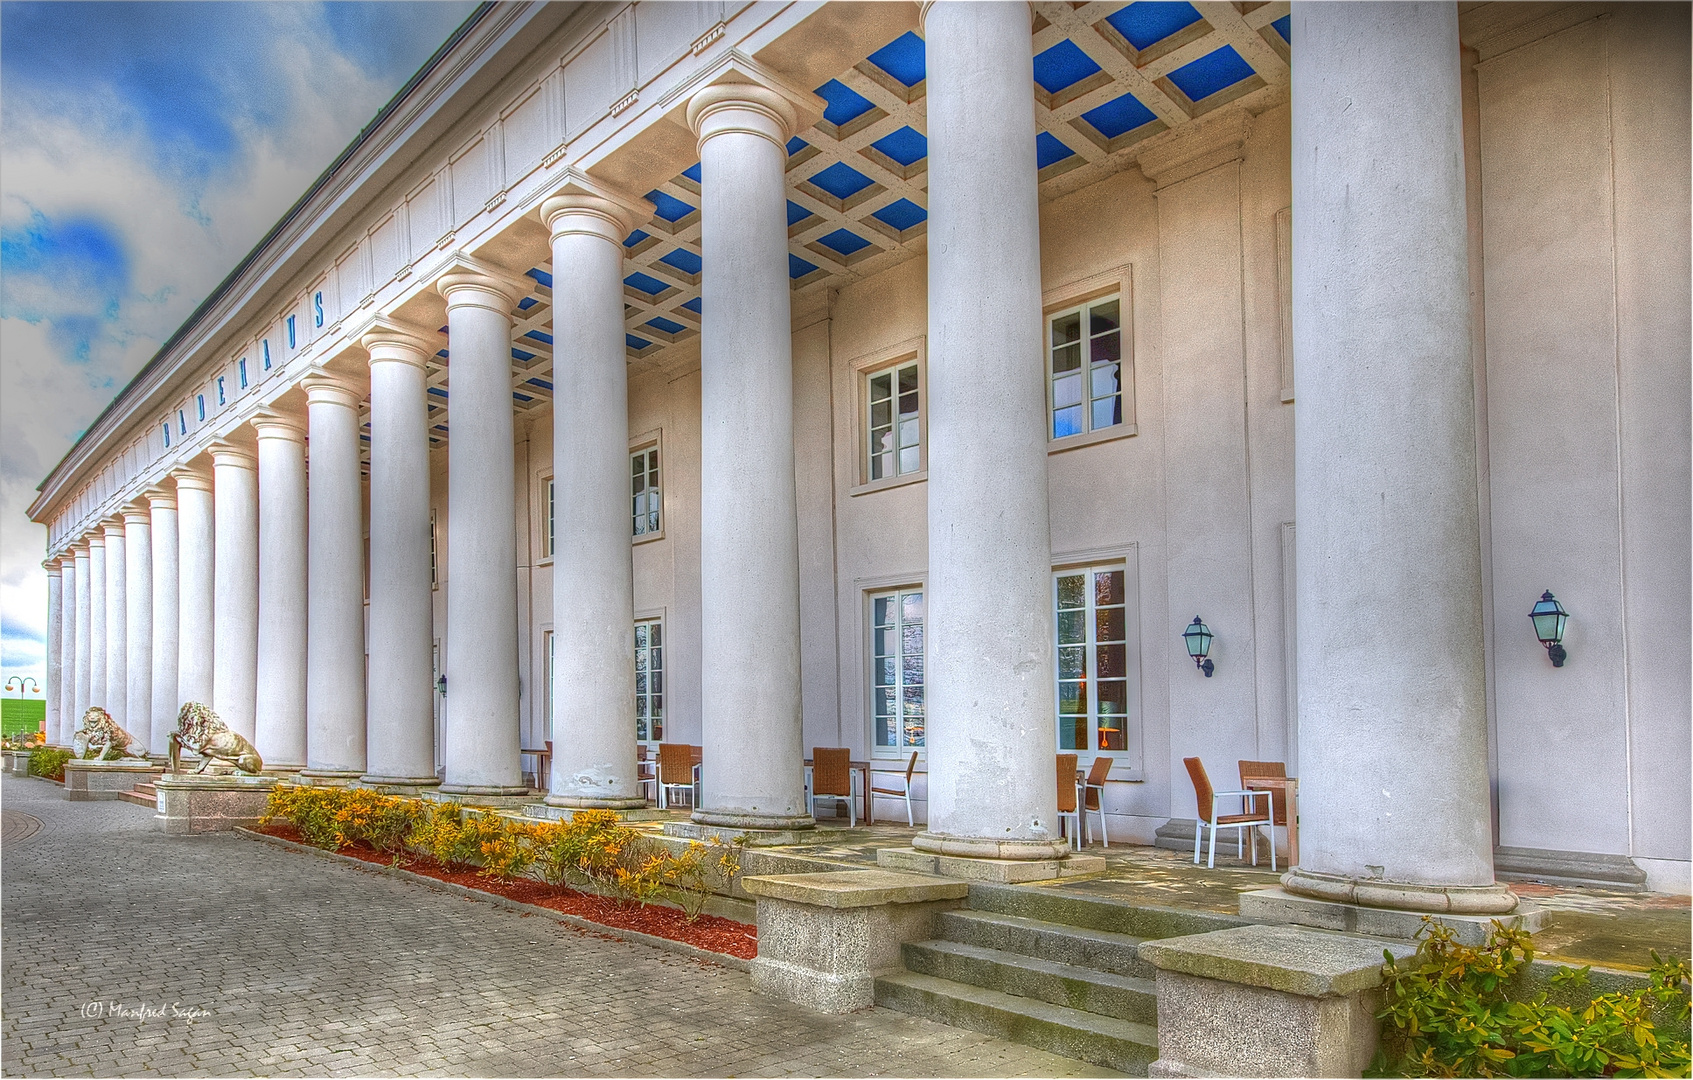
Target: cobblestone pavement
{"type": "Point", "coordinates": [127, 953]}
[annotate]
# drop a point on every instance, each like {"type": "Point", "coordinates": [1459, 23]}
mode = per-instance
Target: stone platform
{"type": "Point", "coordinates": [1004, 871]}
{"type": "Point", "coordinates": [1281, 906]}
{"type": "Point", "coordinates": [95, 781]}
{"type": "Point", "coordinates": [191, 804]}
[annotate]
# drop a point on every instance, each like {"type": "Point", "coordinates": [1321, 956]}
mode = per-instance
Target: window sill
{"type": "Point", "coordinates": [646, 538]}
{"type": "Point", "coordinates": [545, 560]}
{"type": "Point", "coordinates": [1072, 442]}
{"type": "Point", "coordinates": [889, 482]}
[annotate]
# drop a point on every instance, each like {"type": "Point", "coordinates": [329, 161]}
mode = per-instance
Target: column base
{"type": "Point", "coordinates": [975, 847]}
{"type": "Point", "coordinates": [284, 771]}
{"type": "Point", "coordinates": [1495, 899]}
{"type": "Point", "coordinates": [409, 786]}
{"type": "Point", "coordinates": [590, 802]}
{"type": "Point", "coordinates": [1281, 906]}
{"type": "Point", "coordinates": [999, 871]}
{"type": "Point", "coordinates": [485, 789]}
{"type": "Point", "coordinates": [326, 777]}
{"type": "Point", "coordinates": [740, 819]}
{"type": "Point", "coordinates": [721, 834]}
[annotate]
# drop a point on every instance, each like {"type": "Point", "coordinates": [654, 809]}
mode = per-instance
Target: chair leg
{"type": "Point", "coordinates": [1272, 845]}
{"type": "Point", "coordinates": [1198, 837]}
{"type": "Point", "coordinates": [910, 818]}
{"type": "Point", "coordinates": [1211, 862]}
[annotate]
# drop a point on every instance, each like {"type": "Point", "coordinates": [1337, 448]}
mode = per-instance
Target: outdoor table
{"type": "Point", "coordinates": [864, 789]}
{"type": "Point", "coordinates": [1289, 786]}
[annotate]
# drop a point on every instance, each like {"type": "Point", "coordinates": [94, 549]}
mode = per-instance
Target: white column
{"type": "Point", "coordinates": [481, 729]}
{"type": "Point", "coordinates": [67, 651]}
{"type": "Point", "coordinates": [1393, 793]}
{"type": "Point", "coordinates": [97, 619]}
{"type": "Point", "coordinates": [138, 621]}
{"type": "Point", "coordinates": [593, 689]}
{"type": "Point", "coordinates": [55, 647]}
{"type": "Point", "coordinates": [196, 587]}
{"type": "Point", "coordinates": [989, 689]}
{"type": "Point", "coordinates": [117, 624]}
{"type": "Point", "coordinates": [235, 558]}
{"type": "Point", "coordinates": [753, 773]}
{"type": "Point", "coordinates": [166, 626]}
{"type": "Point", "coordinates": [280, 721]}
{"type": "Point", "coordinates": [83, 554]}
{"type": "Point", "coordinates": [401, 724]}
{"type": "Point", "coordinates": [335, 649]}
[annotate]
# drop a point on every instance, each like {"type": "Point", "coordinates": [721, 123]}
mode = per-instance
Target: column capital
{"type": "Point", "coordinates": [67, 559]}
{"type": "Point", "coordinates": [468, 282]}
{"type": "Point", "coordinates": [278, 425]}
{"type": "Point", "coordinates": [740, 94]}
{"type": "Point", "coordinates": [581, 205]}
{"type": "Point", "coordinates": [191, 479]}
{"type": "Point", "coordinates": [96, 539]}
{"type": "Point", "coordinates": [113, 526]}
{"type": "Point", "coordinates": [52, 567]}
{"type": "Point", "coordinates": [326, 388]}
{"type": "Point", "coordinates": [161, 498]}
{"type": "Point", "coordinates": [1197, 148]}
{"type": "Point", "coordinates": [137, 513]}
{"type": "Point", "coordinates": [233, 454]}
{"type": "Point", "coordinates": [389, 341]}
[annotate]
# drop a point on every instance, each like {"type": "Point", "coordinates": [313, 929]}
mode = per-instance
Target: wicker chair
{"type": "Point", "coordinates": [676, 772]}
{"type": "Point", "coordinates": [832, 778]}
{"type": "Point", "coordinates": [1067, 804]}
{"type": "Point", "coordinates": [1093, 796]}
{"type": "Point", "coordinates": [1210, 803]}
{"type": "Point", "coordinates": [1269, 770]}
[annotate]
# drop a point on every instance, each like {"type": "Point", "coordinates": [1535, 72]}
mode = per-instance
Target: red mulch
{"type": "Point", "coordinates": [708, 932]}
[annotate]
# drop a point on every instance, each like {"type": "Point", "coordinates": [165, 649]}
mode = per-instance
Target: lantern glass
{"type": "Point", "coordinates": [1549, 618]}
{"type": "Point", "coordinates": [1198, 637]}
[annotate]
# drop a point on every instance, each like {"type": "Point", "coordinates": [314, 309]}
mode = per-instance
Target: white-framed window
{"type": "Point", "coordinates": [894, 419]}
{"type": "Point", "coordinates": [647, 492]}
{"type": "Point", "coordinates": [549, 516]}
{"type": "Point", "coordinates": [896, 670]}
{"type": "Point", "coordinates": [434, 567]}
{"type": "Point", "coordinates": [547, 681]}
{"type": "Point", "coordinates": [1093, 671]}
{"type": "Point", "coordinates": [649, 680]}
{"type": "Point", "coordinates": [1085, 367]}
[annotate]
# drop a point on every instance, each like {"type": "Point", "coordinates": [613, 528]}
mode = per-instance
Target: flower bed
{"type": "Point", "coordinates": [526, 863]}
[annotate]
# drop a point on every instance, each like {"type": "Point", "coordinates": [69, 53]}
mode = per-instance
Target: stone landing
{"type": "Point", "coordinates": [1003, 871]}
{"type": "Point", "coordinates": [1281, 906]}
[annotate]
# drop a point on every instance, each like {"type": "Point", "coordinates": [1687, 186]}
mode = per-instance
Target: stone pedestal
{"type": "Point", "coordinates": [94, 781]}
{"type": "Point", "coordinates": [1268, 1001]}
{"type": "Point", "coordinates": [191, 804]}
{"type": "Point", "coordinates": [729, 834]}
{"type": "Point", "coordinates": [17, 762]}
{"type": "Point", "coordinates": [1281, 906]}
{"type": "Point", "coordinates": [823, 938]}
{"type": "Point", "coordinates": [976, 868]}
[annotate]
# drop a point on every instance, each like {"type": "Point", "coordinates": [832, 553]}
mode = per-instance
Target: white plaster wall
{"type": "Point", "coordinates": [1584, 171]}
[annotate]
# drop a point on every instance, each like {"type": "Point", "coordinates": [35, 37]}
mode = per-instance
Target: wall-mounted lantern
{"type": "Point", "coordinates": [1198, 640]}
{"type": "Point", "coordinates": [1549, 618]}
{"type": "Point", "coordinates": [441, 686]}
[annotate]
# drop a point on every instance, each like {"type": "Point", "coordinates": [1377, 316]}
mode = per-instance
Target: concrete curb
{"type": "Point", "coordinates": [681, 948]}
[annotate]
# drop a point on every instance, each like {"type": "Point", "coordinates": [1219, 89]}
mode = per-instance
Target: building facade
{"type": "Point", "coordinates": [763, 376]}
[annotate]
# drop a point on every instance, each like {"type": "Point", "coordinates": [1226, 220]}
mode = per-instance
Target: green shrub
{"type": "Point", "coordinates": [49, 762]}
{"type": "Point", "coordinates": [1447, 1013]}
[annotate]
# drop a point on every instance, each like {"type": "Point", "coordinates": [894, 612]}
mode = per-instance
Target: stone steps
{"type": "Point", "coordinates": [1069, 908]}
{"type": "Point", "coordinates": [144, 794]}
{"type": "Point", "coordinates": [1102, 950]}
{"type": "Point", "coordinates": [1102, 1040]}
{"type": "Point", "coordinates": [1124, 997]}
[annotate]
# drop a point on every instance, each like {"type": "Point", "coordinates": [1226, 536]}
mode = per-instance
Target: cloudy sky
{"type": "Point", "coordinates": [144, 149]}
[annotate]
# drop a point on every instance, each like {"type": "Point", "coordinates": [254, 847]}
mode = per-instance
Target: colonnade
{"type": "Point", "coordinates": [245, 585]}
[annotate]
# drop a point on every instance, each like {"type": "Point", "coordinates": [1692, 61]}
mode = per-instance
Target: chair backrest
{"type": "Point", "coordinates": [910, 768]}
{"type": "Point", "coordinates": [1094, 789]}
{"type": "Point", "coordinates": [675, 763]}
{"type": "Point", "coordinates": [831, 770]}
{"type": "Point", "coordinates": [1201, 786]}
{"type": "Point", "coordinates": [640, 751]}
{"type": "Point", "coordinates": [1271, 770]}
{"type": "Point", "coordinates": [1066, 783]}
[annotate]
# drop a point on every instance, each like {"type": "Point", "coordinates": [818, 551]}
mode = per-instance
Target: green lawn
{"type": "Point", "coordinates": [21, 714]}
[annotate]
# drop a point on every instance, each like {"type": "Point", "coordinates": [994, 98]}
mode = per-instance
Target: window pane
{"type": "Point", "coordinates": [913, 640]}
{"type": "Point", "coordinates": [1066, 390]}
{"type": "Point", "coordinates": [1107, 348]}
{"type": "Point", "coordinates": [910, 460]}
{"type": "Point", "coordinates": [640, 685]}
{"type": "Point", "coordinates": [655, 635]}
{"type": "Point", "coordinates": [885, 731]}
{"type": "Point", "coordinates": [1072, 733]}
{"type": "Point", "coordinates": [1106, 380]}
{"type": "Point", "coordinates": [1067, 328]}
{"type": "Point", "coordinates": [1072, 698]}
{"type": "Point", "coordinates": [640, 727]}
{"type": "Point", "coordinates": [640, 707]}
{"type": "Point", "coordinates": [908, 404]}
{"type": "Point", "coordinates": [1106, 316]}
{"type": "Point", "coordinates": [1072, 593]}
{"type": "Point", "coordinates": [657, 681]}
{"type": "Point", "coordinates": [882, 610]}
{"type": "Point", "coordinates": [1108, 588]}
{"type": "Point", "coordinates": [908, 434]}
{"type": "Point", "coordinates": [884, 643]}
{"type": "Point", "coordinates": [1069, 358]}
{"type": "Point", "coordinates": [652, 460]}
{"type": "Point", "coordinates": [1072, 662]}
{"type": "Point", "coordinates": [1066, 422]}
{"type": "Point", "coordinates": [1111, 732]}
{"type": "Point", "coordinates": [883, 700]}
{"type": "Point", "coordinates": [1113, 697]}
{"type": "Point", "coordinates": [881, 414]}
{"type": "Point", "coordinates": [640, 642]}
{"type": "Point", "coordinates": [881, 465]}
{"type": "Point", "coordinates": [881, 387]}
{"type": "Point", "coordinates": [913, 606]}
{"type": "Point", "coordinates": [1107, 412]}
{"type": "Point", "coordinates": [1072, 629]}
{"type": "Point", "coordinates": [1113, 661]}
{"type": "Point", "coordinates": [1108, 624]}
{"type": "Point", "coordinates": [908, 380]}
{"type": "Point", "coordinates": [657, 654]}
{"type": "Point", "coordinates": [882, 671]}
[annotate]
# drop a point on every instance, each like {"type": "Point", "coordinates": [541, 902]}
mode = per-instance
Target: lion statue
{"type": "Point", "coordinates": [98, 731]}
{"type": "Point", "coordinates": [199, 729]}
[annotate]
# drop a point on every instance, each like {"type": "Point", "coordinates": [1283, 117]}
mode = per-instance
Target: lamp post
{"type": "Point", "coordinates": [1549, 618]}
{"type": "Point", "coordinates": [22, 684]}
{"type": "Point", "coordinates": [1198, 637]}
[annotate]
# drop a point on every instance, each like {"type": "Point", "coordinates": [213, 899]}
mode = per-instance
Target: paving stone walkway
{"type": "Point", "coordinates": [127, 953]}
